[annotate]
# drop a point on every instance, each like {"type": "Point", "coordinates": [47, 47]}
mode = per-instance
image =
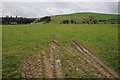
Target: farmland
{"type": "Point", "coordinates": [21, 41]}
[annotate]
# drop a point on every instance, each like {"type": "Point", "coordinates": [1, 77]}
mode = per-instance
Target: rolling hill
{"type": "Point", "coordinates": [78, 17]}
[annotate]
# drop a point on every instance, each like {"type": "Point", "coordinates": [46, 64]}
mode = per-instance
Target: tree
{"type": "Point", "coordinates": [65, 22]}
{"type": "Point", "coordinates": [46, 19]}
{"type": "Point", "coordinates": [83, 22]}
{"type": "Point", "coordinates": [95, 21]}
{"type": "Point", "coordinates": [72, 21]}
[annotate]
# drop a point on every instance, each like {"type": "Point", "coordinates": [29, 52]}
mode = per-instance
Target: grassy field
{"type": "Point", "coordinates": [20, 41]}
{"type": "Point", "coordinates": [79, 17]}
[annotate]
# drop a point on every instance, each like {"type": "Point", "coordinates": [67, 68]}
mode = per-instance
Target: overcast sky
{"type": "Point", "coordinates": [40, 9]}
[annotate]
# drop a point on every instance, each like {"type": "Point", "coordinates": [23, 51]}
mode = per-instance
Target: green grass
{"type": "Point", "coordinates": [79, 17]}
{"type": "Point", "coordinates": [20, 41]}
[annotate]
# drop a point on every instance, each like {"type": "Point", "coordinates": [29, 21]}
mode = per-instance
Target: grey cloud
{"type": "Point", "coordinates": [39, 9]}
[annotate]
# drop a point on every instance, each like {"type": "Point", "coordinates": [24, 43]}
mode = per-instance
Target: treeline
{"type": "Point", "coordinates": [90, 20]}
{"type": "Point", "coordinates": [68, 21]}
{"type": "Point", "coordinates": [16, 20]}
{"type": "Point", "coordinates": [45, 19]}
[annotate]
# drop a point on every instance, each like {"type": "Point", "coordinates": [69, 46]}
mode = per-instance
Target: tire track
{"type": "Point", "coordinates": [107, 72]}
{"type": "Point", "coordinates": [46, 66]}
{"type": "Point", "coordinates": [49, 65]}
{"type": "Point", "coordinates": [90, 64]}
{"type": "Point", "coordinates": [97, 69]}
{"type": "Point", "coordinates": [31, 67]}
{"type": "Point", "coordinates": [81, 60]}
{"type": "Point", "coordinates": [56, 59]}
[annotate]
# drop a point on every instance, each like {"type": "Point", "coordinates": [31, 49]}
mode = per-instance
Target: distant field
{"type": "Point", "coordinates": [20, 41]}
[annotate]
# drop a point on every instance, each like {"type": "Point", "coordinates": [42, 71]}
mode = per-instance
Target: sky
{"type": "Point", "coordinates": [46, 8]}
{"type": "Point", "coordinates": [60, 0]}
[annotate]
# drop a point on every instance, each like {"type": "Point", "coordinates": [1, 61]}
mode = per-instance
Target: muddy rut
{"type": "Point", "coordinates": [50, 64]}
{"type": "Point", "coordinates": [94, 62]}
{"type": "Point", "coordinates": [46, 66]}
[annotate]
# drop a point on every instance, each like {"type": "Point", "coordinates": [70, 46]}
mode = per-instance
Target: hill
{"type": "Point", "coordinates": [78, 17]}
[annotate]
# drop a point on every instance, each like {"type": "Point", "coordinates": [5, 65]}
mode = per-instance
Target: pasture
{"type": "Point", "coordinates": [21, 41]}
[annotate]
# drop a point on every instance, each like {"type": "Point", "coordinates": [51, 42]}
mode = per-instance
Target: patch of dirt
{"type": "Point", "coordinates": [31, 67]}
{"type": "Point", "coordinates": [46, 66]}
{"type": "Point", "coordinates": [81, 61]}
{"type": "Point", "coordinates": [101, 67]}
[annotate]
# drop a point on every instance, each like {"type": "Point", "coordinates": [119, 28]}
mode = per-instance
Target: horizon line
{"type": "Point", "coordinates": [64, 14]}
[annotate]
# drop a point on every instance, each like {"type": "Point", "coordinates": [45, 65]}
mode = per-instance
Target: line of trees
{"type": "Point", "coordinates": [16, 20]}
{"type": "Point", "coordinates": [69, 21]}
{"type": "Point", "coordinates": [112, 21]}
{"type": "Point", "coordinates": [86, 20]}
{"type": "Point", "coordinates": [90, 20]}
{"type": "Point", "coordinates": [45, 19]}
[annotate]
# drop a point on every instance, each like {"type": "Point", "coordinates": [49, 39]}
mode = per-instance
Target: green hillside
{"type": "Point", "coordinates": [79, 17]}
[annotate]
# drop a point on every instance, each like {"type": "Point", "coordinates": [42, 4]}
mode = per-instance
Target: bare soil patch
{"type": "Point", "coordinates": [78, 62]}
